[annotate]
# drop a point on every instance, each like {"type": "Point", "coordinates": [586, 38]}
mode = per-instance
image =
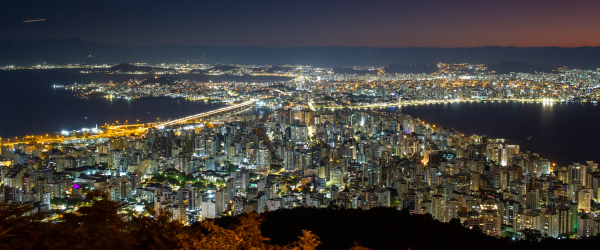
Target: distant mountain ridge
{"type": "Point", "coordinates": [75, 50]}
{"type": "Point", "coordinates": [521, 67]}
{"type": "Point", "coordinates": [411, 69]}
{"type": "Point", "coordinates": [126, 67]}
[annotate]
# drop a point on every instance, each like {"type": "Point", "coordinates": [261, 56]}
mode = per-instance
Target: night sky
{"type": "Point", "coordinates": [293, 23]}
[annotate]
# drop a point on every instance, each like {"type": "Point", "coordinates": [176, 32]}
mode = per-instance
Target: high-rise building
{"type": "Point", "coordinates": [586, 226]}
{"type": "Point", "coordinates": [438, 207]}
{"type": "Point", "coordinates": [491, 222]}
{"type": "Point", "coordinates": [584, 199]}
{"type": "Point", "coordinates": [532, 200]}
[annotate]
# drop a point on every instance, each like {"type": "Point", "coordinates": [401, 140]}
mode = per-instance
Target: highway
{"type": "Point", "coordinates": [125, 129]}
{"type": "Point", "coordinates": [421, 102]}
{"type": "Point", "coordinates": [128, 129]}
{"type": "Point", "coordinates": [285, 93]}
{"type": "Point", "coordinates": [212, 112]}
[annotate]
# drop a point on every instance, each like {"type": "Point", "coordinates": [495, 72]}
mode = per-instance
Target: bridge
{"type": "Point", "coordinates": [231, 108]}
{"type": "Point", "coordinates": [285, 93]}
{"type": "Point", "coordinates": [125, 129]}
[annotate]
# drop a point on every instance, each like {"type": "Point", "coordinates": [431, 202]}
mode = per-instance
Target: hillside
{"type": "Point", "coordinates": [354, 71]}
{"type": "Point", "coordinates": [126, 67]}
{"type": "Point", "coordinates": [98, 225]}
{"type": "Point", "coordinates": [159, 80]}
{"type": "Point", "coordinates": [388, 228]}
{"type": "Point", "coordinates": [74, 50]}
{"type": "Point", "coordinates": [416, 68]}
{"type": "Point", "coordinates": [519, 67]}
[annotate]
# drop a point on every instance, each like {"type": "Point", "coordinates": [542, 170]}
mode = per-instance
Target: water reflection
{"type": "Point", "coordinates": [554, 127]}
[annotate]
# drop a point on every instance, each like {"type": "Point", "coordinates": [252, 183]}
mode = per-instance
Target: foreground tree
{"type": "Point", "coordinates": [245, 234]}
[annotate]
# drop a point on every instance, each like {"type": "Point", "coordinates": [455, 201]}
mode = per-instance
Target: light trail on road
{"type": "Point", "coordinates": [212, 112]}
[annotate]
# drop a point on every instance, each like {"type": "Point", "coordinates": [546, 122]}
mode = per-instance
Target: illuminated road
{"type": "Point", "coordinates": [403, 103]}
{"type": "Point", "coordinates": [138, 129]}
{"type": "Point", "coordinates": [212, 112]}
{"type": "Point", "coordinates": [285, 93]}
{"type": "Point", "coordinates": [311, 105]}
{"type": "Point", "coordinates": [122, 130]}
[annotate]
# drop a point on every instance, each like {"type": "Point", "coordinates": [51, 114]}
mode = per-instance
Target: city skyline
{"type": "Point", "coordinates": [316, 141]}
{"type": "Point", "coordinates": [341, 124]}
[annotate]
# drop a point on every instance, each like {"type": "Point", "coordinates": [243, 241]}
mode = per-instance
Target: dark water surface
{"type": "Point", "coordinates": [29, 104]}
{"type": "Point", "coordinates": [561, 132]}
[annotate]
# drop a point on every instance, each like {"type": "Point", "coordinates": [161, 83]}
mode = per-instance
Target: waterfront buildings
{"type": "Point", "coordinates": [317, 146]}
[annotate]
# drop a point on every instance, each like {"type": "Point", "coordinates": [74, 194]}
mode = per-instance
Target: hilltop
{"type": "Point", "coordinates": [74, 50]}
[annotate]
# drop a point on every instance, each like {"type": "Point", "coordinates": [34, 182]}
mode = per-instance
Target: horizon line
{"type": "Point", "coordinates": [308, 46]}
